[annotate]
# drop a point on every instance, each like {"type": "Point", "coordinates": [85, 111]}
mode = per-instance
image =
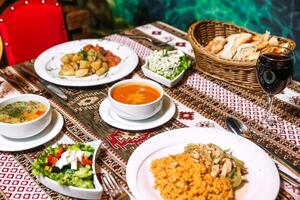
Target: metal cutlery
{"type": "Point", "coordinates": [17, 83]}
{"type": "Point", "coordinates": [48, 85]}
{"type": "Point", "coordinates": [154, 42]}
{"type": "Point", "coordinates": [239, 128]}
{"type": "Point", "coordinates": [115, 191]}
{"type": "Point", "coordinates": [12, 79]}
{"type": "Point", "coordinates": [287, 177]}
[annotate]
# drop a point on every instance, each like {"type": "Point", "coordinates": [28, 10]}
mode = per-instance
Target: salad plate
{"type": "Point", "coordinates": [52, 130]}
{"type": "Point", "coordinates": [262, 177]}
{"type": "Point", "coordinates": [85, 178]}
{"type": "Point", "coordinates": [164, 115]}
{"type": "Point", "coordinates": [166, 67]}
{"type": "Point", "coordinates": [161, 79]}
{"type": "Point", "coordinates": [48, 64]}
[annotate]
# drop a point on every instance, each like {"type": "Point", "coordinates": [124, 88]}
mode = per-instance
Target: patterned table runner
{"type": "Point", "coordinates": [201, 101]}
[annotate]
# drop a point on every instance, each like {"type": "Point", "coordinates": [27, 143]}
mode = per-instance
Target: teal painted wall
{"type": "Point", "coordinates": [280, 17]}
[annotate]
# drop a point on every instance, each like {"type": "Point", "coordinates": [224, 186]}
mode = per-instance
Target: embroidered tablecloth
{"type": "Point", "coordinates": [201, 101]}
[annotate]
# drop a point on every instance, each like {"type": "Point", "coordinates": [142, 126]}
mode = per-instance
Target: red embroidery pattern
{"type": "Point", "coordinates": [180, 44]}
{"type": "Point", "coordinates": [15, 182]}
{"type": "Point", "coordinates": [156, 32]}
{"type": "Point", "coordinates": [124, 140]}
{"type": "Point", "coordinates": [186, 115]}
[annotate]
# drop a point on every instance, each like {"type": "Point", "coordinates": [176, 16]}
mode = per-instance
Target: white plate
{"type": "Point", "coordinates": [47, 65]}
{"type": "Point", "coordinates": [163, 116]}
{"type": "Point", "coordinates": [52, 130]}
{"type": "Point", "coordinates": [263, 179]}
{"type": "Point", "coordinates": [82, 193]}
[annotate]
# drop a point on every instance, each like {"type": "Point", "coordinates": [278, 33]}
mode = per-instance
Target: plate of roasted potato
{"type": "Point", "coordinates": [83, 63]}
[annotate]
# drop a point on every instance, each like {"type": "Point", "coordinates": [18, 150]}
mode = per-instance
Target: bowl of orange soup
{"type": "Point", "coordinates": [24, 116]}
{"type": "Point", "coordinates": [136, 99]}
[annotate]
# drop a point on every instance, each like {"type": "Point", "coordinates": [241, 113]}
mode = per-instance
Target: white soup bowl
{"type": "Point", "coordinates": [30, 128]}
{"type": "Point", "coordinates": [136, 111]}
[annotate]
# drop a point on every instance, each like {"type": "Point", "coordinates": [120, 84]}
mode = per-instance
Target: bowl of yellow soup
{"type": "Point", "coordinates": [24, 116]}
{"type": "Point", "coordinates": [136, 99]}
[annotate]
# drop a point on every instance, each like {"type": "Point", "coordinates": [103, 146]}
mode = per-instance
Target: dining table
{"type": "Point", "coordinates": [201, 101]}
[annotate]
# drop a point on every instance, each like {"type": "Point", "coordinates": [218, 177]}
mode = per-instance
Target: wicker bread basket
{"type": "Point", "coordinates": [240, 73]}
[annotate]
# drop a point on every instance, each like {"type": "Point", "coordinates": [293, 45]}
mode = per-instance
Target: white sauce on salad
{"type": "Point", "coordinates": [164, 62]}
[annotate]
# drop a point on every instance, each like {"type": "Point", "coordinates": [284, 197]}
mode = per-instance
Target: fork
{"type": "Point", "coordinates": [115, 191]}
{"type": "Point", "coordinates": [155, 42]}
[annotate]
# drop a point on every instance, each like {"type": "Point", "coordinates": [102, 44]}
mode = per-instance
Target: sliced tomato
{"type": "Point", "coordinates": [87, 47]}
{"type": "Point", "coordinates": [86, 161]}
{"type": "Point", "coordinates": [61, 150]}
{"type": "Point", "coordinates": [109, 54]}
{"type": "Point", "coordinates": [40, 112]}
{"type": "Point", "coordinates": [51, 160]}
{"type": "Point", "coordinates": [97, 48]}
{"type": "Point", "coordinates": [117, 59]}
{"type": "Point", "coordinates": [111, 63]}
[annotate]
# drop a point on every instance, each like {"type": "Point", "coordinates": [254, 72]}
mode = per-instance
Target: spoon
{"type": "Point", "coordinates": [239, 128]}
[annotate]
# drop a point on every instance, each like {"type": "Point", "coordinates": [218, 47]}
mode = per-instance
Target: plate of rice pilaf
{"type": "Point", "coordinates": [201, 163]}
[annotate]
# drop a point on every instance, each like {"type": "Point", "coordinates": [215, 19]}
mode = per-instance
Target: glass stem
{"type": "Point", "coordinates": [268, 113]}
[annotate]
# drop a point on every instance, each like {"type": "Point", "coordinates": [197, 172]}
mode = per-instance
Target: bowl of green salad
{"type": "Point", "coordinates": [69, 169]}
{"type": "Point", "coordinates": [166, 66]}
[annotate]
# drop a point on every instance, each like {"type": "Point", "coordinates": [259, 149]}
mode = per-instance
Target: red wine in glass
{"type": "Point", "coordinates": [274, 71]}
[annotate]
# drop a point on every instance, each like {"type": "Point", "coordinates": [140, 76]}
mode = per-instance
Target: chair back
{"type": "Point", "coordinates": [28, 27]}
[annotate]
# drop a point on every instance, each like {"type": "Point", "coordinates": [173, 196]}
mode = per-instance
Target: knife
{"type": "Point", "coordinates": [287, 177]}
{"type": "Point", "coordinates": [48, 85]}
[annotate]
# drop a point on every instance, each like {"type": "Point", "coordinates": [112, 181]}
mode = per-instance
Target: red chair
{"type": "Point", "coordinates": [1, 47]}
{"type": "Point", "coordinates": [28, 27]}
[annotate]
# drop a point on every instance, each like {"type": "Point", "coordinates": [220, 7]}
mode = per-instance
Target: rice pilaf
{"type": "Point", "coordinates": [180, 177]}
{"type": "Point", "coordinates": [202, 171]}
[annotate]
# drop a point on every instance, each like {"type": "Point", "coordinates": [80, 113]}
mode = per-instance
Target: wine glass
{"type": "Point", "coordinates": [274, 71]}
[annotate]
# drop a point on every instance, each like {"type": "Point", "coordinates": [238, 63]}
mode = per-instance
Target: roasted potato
{"type": "Point", "coordinates": [102, 70]}
{"type": "Point", "coordinates": [75, 65]}
{"type": "Point", "coordinates": [77, 57]}
{"type": "Point", "coordinates": [88, 61]}
{"type": "Point", "coordinates": [67, 70]}
{"type": "Point", "coordinates": [84, 64]}
{"type": "Point", "coordinates": [96, 65]}
{"type": "Point", "coordinates": [92, 71]}
{"type": "Point", "coordinates": [66, 58]}
{"type": "Point", "coordinates": [81, 72]}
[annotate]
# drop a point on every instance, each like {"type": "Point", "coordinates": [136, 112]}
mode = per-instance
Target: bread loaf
{"type": "Point", "coordinates": [244, 50]}
{"type": "Point", "coordinates": [216, 45]}
{"type": "Point", "coordinates": [273, 41]}
{"type": "Point", "coordinates": [244, 46]}
{"type": "Point", "coordinates": [253, 56]}
{"type": "Point", "coordinates": [261, 40]}
{"type": "Point", "coordinates": [242, 39]}
{"type": "Point", "coordinates": [229, 49]}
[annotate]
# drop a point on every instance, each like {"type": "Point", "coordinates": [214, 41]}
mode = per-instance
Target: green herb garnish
{"type": "Point", "coordinates": [84, 54]}
{"type": "Point", "coordinates": [185, 63]}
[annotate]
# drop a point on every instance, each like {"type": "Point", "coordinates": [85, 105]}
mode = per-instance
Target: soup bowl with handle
{"type": "Point", "coordinates": [136, 111]}
{"type": "Point", "coordinates": [29, 128]}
